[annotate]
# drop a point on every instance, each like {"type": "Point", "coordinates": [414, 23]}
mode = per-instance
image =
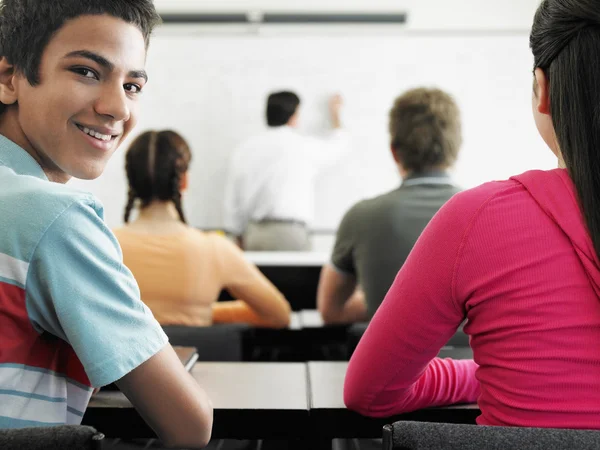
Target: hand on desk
{"type": "Point", "coordinates": [238, 311]}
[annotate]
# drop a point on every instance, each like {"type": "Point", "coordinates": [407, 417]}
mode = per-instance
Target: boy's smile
{"type": "Point", "coordinates": [100, 137]}
{"type": "Point", "coordinates": [91, 76]}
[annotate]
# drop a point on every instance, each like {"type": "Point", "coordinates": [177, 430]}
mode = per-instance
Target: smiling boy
{"type": "Point", "coordinates": [71, 318]}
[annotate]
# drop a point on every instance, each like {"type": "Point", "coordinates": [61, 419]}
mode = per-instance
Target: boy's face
{"type": "Point", "coordinates": [90, 76]}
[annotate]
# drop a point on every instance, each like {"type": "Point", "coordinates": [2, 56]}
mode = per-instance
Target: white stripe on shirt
{"type": "Point", "coordinates": [13, 269]}
{"type": "Point", "coordinates": [25, 406]}
{"type": "Point", "coordinates": [45, 384]}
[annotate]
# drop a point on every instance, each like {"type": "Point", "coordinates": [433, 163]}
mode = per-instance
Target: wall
{"type": "Point", "coordinates": [423, 14]}
{"type": "Point", "coordinates": [211, 86]}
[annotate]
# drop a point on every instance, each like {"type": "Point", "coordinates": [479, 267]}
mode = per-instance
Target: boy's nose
{"type": "Point", "coordinates": [113, 102]}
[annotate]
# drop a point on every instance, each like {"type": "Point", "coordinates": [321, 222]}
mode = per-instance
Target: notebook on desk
{"type": "Point", "coordinates": [187, 355]}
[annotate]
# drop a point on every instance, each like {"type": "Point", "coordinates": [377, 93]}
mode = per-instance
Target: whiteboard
{"type": "Point", "coordinates": [212, 89]}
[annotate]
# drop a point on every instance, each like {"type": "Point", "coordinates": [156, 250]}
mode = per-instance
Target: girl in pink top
{"type": "Point", "coordinates": [518, 259]}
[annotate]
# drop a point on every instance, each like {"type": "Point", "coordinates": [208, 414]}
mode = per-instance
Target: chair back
{"type": "Point", "coordinates": [62, 437]}
{"type": "Point", "coordinates": [355, 332]}
{"type": "Point", "coordinates": [446, 436]}
{"type": "Point", "coordinates": [214, 343]}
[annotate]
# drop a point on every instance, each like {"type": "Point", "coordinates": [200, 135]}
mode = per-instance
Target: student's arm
{"type": "Point", "coordinates": [338, 299]}
{"type": "Point", "coordinates": [169, 400]}
{"type": "Point", "coordinates": [325, 151]}
{"type": "Point", "coordinates": [79, 291]}
{"type": "Point", "coordinates": [260, 303]}
{"type": "Point", "coordinates": [394, 369]}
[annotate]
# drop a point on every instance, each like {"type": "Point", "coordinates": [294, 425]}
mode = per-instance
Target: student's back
{"type": "Point", "coordinates": [382, 231]}
{"type": "Point", "coordinates": [269, 196]}
{"type": "Point", "coordinates": [376, 235]}
{"type": "Point", "coordinates": [515, 259]}
{"type": "Point", "coordinates": [180, 274]}
{"type": "Point", "coordinates": [181, 270]}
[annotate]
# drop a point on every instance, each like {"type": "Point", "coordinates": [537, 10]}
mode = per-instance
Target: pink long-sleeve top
{"type": "Point", "coordinates": [515, 259]}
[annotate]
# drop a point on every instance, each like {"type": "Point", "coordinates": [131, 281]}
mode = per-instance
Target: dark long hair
{"type": "Point", "coordinates": [155, 163]}
{"type": "Point", "coordinates": [565, 41]}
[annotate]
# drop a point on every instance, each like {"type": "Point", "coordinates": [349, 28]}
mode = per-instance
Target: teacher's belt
{"type": "Point", "coordinates": [270, 220]}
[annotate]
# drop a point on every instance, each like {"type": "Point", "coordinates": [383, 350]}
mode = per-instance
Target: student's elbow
{"type": "Point", "coordinates": [328, 318]}
{"type": "Point", "coordinates": [357, 399]}
{"type": "Point", "coordinates": [283, 317]}
{"type": "Point", "coordinates": [354, 399]}
{"type": "Point", "coordinates": [197, 432]}
{"type": "Point", "coordinates": [360, 395]}
{"type": "Point", "coordinates": [329, 315]}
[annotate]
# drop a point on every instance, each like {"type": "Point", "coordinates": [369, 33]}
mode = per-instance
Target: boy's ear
{"type": "Point", "coordinates": [8, 90]}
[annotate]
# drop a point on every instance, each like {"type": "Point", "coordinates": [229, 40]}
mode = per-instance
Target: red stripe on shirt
{"type": "Point", "coordinates": [22, 344]}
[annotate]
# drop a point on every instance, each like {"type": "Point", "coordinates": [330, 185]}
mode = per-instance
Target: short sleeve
{"type": "Point", "coordinates": [342, 257]}
{"type": "Point", "coordinates": [79, 290]}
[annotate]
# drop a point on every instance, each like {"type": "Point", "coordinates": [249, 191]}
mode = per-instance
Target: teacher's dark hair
{"type": "Point", "coordinates": [281, 106]}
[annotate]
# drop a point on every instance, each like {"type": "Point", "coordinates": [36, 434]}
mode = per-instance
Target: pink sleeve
{"type": "Point", "coordinates": [394, 368]}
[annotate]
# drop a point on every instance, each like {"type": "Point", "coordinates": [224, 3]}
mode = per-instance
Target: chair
{"type": "Point", "coordinates": [355, 332]}
{"type": "Point", "coordinates": [459, 339]}
{"type": "Point", "coordinates": [445, 436]}
{"type": "Point", "coordinates": [214, 343]}
{"type": "Point", "coordinates": [62, 437]}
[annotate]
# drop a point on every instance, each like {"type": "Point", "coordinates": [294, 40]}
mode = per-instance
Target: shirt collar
{"type": "Point", "coordinates": [427, 177]}
{"type": "Point", "coordinates": [16, 158]}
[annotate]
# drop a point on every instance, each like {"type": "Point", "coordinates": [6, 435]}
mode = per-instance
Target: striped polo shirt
{"type": "Point", "coordinates": [70, 312]}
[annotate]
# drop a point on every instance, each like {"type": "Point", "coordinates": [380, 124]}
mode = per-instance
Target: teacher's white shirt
{"type": "Point", "coordinates": [272, 175]}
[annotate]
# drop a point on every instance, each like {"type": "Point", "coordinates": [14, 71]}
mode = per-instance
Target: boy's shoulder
{"type": "Point", "coordinates": [40, 197]}
{"type": "Point", "coordinates": [30, 205]}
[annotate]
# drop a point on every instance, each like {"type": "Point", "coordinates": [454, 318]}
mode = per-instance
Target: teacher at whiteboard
{"type": "Point", "coordinates": [269, 197]}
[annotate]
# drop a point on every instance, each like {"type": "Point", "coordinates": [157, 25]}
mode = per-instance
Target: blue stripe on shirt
{"type": "Point", "coordinates": [33, 396]}
{"type": "Point", "coordinates": [50, 372]}
{"type": "Point", "coordinates": [74, 411]}
{"type": "Point", "coordinates": [12, 282]}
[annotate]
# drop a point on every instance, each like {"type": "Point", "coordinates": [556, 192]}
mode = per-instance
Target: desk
{"type": "Point", "coordinates": [251, 401]}
{"type": "Point", "coordinates": [306, 339]}
{"type": "Point", "coordinates": [311, 318]}
{"type": "Point", "coordinates": [330, 418]}
{"type": "Point", "coordinates": [295, 274]}
{"type": "Point", "coordinates": [288, 259]}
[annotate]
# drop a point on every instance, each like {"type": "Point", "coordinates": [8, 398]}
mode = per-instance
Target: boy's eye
{"type": "Point", "coordinates": [133, 88]}
{"type": "Point", "coordinates": [85, 72]}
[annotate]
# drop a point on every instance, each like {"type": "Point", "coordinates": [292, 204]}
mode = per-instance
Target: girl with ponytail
{"type": "Point", "coordinates": [518, 259]}
{"type": "Point", "coordinates": [181, 270]}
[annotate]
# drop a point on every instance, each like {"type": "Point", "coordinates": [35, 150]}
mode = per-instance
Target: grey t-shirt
{"type": "Point", "coordinates": [376, 235]}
